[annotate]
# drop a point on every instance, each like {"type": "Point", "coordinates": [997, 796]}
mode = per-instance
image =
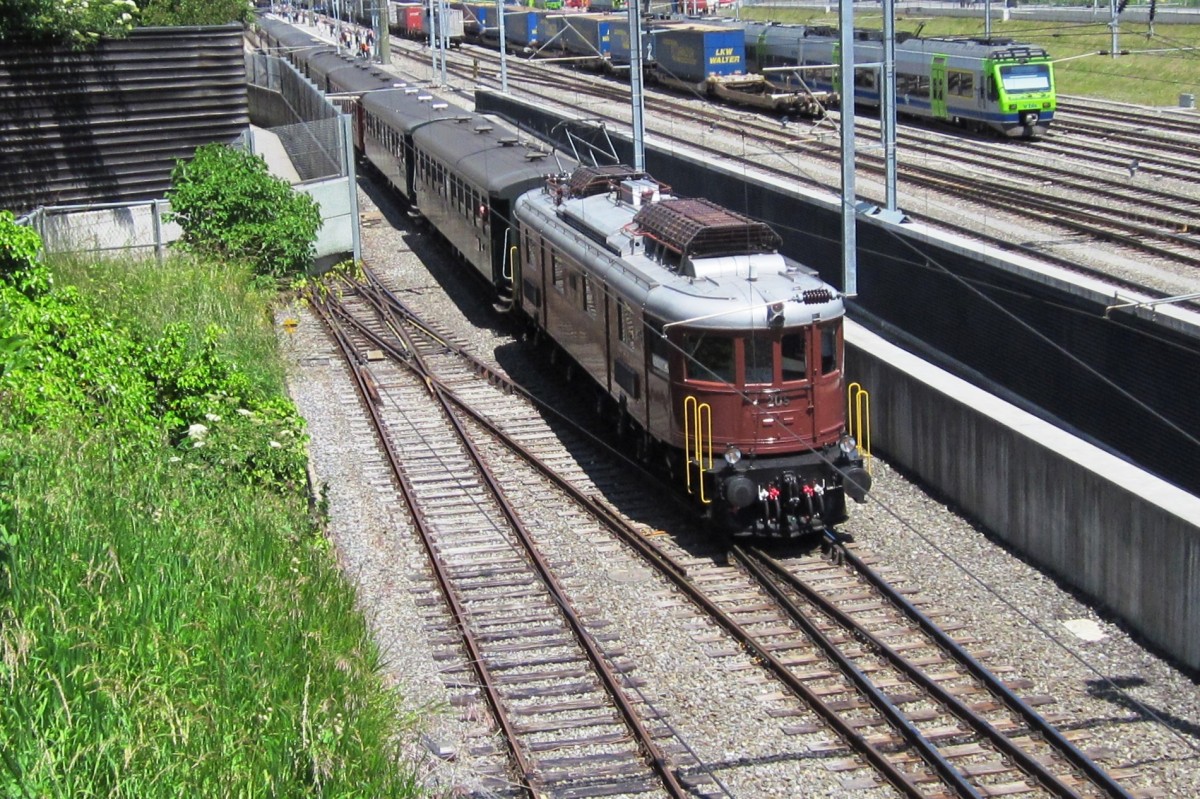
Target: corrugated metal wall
{"type": "Point", "coordinates": [109, 125]}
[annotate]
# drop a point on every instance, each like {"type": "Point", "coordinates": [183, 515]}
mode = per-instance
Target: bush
{"type": "Point", "coordinates": [231, 207]}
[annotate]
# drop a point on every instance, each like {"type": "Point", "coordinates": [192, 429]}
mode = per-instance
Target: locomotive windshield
{"type": "Point", "coordinates": [760, 358]}
{"type": "Point", "coordinates": [1019, 78]}
{"type": "Point", "coordinates": [709, 356]}
{"type": "Point", "coordinates": [712, 357]}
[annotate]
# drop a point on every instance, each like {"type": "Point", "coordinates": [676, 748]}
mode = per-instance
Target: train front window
{"type": "Point", "coordinates": [1021, 78]}
{"type": "Point", "coordinates": [709, 357]}
{"type": "Point", "coordinates": [793, 351]}
{"type": "Point", "coordinates": [829, 349]}
{"type": "Point", "coordinates": [760, 359]}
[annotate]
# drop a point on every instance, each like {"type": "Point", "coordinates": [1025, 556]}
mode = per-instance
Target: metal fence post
{"type": "Point", "coordinates": [352, 182]}
{"type": "Point", "coordinates": [159, 245]}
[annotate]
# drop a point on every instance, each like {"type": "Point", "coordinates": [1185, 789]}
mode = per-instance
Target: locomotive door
{"type": "Point", "coordinates": [937, 87]}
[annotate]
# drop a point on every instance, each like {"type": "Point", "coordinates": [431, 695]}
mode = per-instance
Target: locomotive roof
{"type": "Point", "coordinates": [972, 47]}
{"type": "Point", "coordinates": [588, 180]}
{"type": "Point", "coordinates": [485, 152]}
{"type": "Point", "coordinates": [728, 292]}
{"type": "Point", "coordinates": [698, 228]}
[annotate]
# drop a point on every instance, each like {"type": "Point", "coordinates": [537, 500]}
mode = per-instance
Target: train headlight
{"type": "Point", "coordinates": [732, 455]}
{"type": "Point", "coordinates": [848, 446]}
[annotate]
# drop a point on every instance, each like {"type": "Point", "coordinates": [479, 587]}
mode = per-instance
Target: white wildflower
{"type": "Point", "coordinates": [174, 459]}
{"type": "Point", "coordinates": [276, 444]}
{"type": "Point", "coordinates": [197, 431]}
{"type": "Point", "coordinates": [212, 417]}
{"type": "Point", "coordinates": [198, 443]}
{"type": "Point", "coordinates": [245, 412]}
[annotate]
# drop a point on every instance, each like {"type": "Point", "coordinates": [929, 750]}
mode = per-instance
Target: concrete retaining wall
{"type": "Point", "coordinates": [1098, 523]}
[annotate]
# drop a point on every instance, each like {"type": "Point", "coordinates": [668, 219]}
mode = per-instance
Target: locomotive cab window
{"type": "Point", "coordinates": [660, 348]}
{"type": "Point", "coordinates": [1019, 78]}
{"type": "Point", "coordinates": [709, 357]}
{"type": "Point", "coordinates": [793, 360]}
{"type": "Point", "coordinates": [830, 360]}
{"type": "Point", "coordinates": [759, 351]}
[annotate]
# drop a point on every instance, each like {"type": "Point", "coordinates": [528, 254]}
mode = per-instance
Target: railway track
{"type": "Point", "coordinates": [557, 691]}
{"type": "Point", "coordinates": [906, 719]}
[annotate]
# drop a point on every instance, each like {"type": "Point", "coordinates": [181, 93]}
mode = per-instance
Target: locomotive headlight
{"type": "Point", "coordinates": [848, 446]}
{"type": "Point", "coordinates": [732, 455]}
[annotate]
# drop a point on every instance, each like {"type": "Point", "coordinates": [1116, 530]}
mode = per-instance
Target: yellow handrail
{"type": "Point", "coordinates": [697, 441]}
{"type": "Point", "coordinates": [858, 419]}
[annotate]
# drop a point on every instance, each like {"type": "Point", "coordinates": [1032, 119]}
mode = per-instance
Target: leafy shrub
{"type": "Point", "coordinates": [78, 22]}
{"type": "Point", "coordinates": [20, 257]}
{"type": "Point", "coordinates": [64, 362]}
{"type": "Point", "coordinates": [231, 207]}
{"type": "Point", "coordinates": [195, 12]}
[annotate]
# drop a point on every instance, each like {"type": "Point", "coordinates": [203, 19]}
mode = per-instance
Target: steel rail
{"type": "Point", "coordinates": [650, 751]}
{"type": "Point", "coordinates": [773, 570]}
{"type": "Point", "coordinates": [1094, 772]}
{"type": "Point", "coordinates": [877, 698]}
{"type": "Point", "coordinates": [369, 399]}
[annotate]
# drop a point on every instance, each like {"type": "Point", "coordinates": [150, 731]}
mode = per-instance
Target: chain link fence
{"type": "Point", "coordinates": [138, 228]}
{"type": "Point", "coordinates": [314, 145]}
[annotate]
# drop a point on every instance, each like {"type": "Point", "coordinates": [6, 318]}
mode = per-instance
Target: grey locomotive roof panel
{"type": "Point", "coordinates": [735, 299]}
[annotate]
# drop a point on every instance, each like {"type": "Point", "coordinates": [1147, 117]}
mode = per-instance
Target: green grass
{"type": "Point", "coordinates": [169, 627]}
{"type": "Point", "coordinates": [1158, 69]}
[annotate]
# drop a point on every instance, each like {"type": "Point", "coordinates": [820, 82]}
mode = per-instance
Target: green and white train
{"type": "Point", "coordinates": [984, 84]}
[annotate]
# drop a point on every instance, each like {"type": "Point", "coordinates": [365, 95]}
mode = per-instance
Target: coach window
{"type": "Point", "coordinates": [829, 349]}
{"type": "Point", "coordinates": [708, 357]}
{"type": "Point", "coordinates": [961, 84]}
{"type": "Point", "coordinates": [793, 356]}
{"type": "Point", "coordinates": [760, 358]}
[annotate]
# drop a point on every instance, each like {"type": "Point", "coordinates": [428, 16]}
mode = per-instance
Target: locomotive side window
{"type": "Point", "coordinates": [760, 359]}
{"type": "Point", "coordinates": [829, 349]}
{"type": "Point", "coordinates": [626, 328]}
{"type": "Point", "coordinates": [709, 357]}
{"type": "Point", "coordinates": [793, 351]}
{"type": "Point", "coordinates": [589, 296]}
{"type": "Point", "coordinates": [660, 348]}
{"type": "Point", "coordinates": [556, 272]}
{"type": "Point", "coordinates": [531, 250]}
